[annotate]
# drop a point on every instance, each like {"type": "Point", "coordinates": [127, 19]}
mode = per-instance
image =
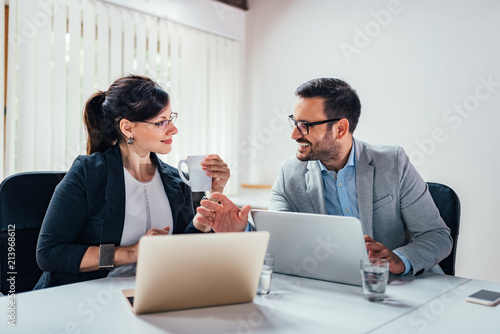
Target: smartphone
{"type": "Point", "coordinates": [484, 297]}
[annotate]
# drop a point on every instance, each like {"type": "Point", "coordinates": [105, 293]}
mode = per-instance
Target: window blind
{"type": "Point", "coordinates": [62, 51]}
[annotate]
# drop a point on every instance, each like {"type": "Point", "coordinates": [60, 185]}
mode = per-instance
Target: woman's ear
{"type": "Point", "coordinates": [126, 128]}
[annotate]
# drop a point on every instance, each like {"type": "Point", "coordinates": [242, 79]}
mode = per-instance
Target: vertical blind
{"type": "Point", "coordinates": [62, 51]}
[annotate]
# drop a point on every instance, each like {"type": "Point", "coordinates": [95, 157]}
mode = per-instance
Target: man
{"type": "Point", "coordinates": [334, 173]}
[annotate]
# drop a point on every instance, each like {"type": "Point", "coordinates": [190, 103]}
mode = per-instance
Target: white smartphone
{"type": "Point", "coordinates": [484, 297]}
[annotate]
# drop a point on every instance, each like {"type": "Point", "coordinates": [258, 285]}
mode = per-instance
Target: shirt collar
{"type": "Point", "coordinates": [350, 161]}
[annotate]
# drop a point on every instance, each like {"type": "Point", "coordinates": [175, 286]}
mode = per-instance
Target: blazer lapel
{"type": "Point", "coordinates": [115, 197]}
{"type": "Point", "coordinates": [314, 187]}
{"type": "Point", "coordinates": [364, 186]}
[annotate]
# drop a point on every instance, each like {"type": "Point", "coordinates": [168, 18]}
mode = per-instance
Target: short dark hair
{"type": "Point", "coordinates": [341, 101]}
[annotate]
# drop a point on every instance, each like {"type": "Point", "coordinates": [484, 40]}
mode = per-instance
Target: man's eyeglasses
{"type": "Point", "coordinates": [163, 124]}
{"type": "Point", "coordinates": [303, 127]}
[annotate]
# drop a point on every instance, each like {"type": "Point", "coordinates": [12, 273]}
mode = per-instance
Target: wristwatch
{"type": "Point", "coordinates": [106, 256]}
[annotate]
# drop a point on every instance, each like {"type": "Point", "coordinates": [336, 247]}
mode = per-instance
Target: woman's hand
{"type": "Point", "coordinates": [218, 170]}
{"type": "Point", "coordinates": [223, 217]}
{"type": "Point", "coordinates": [157, 231]}
{"type": "Point", "coordinates": [134, 249]}
{"type": "Point", "coordinates": [123, 254]}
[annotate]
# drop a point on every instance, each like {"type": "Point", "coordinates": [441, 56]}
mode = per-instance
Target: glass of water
{"type": "Point", "coordinates": [265, 275]}
{"type": "Point", "coordinates": [374, 274]}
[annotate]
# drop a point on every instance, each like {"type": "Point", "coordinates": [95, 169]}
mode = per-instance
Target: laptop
{"type": "Point", "coordinates": [196, 270]}
{"type": "Point", "coordinates": [315, 246]}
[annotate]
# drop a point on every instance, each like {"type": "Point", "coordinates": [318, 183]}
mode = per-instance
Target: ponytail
{"type": "Point", "coordinates": [99, 128]}
{"type": "Point", "coordinates": [131, 97]}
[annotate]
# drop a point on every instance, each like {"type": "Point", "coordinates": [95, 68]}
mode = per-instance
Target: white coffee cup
{"type": "Point", "coordinates": [198, 178]}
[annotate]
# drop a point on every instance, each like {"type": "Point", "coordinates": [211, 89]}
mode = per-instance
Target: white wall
{"type": "Point", "coordinates": [207, 15]}
{"type": "Point", "coordinates": [423, 62]}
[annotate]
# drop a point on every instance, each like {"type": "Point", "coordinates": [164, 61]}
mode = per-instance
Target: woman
{"type": "Point", "coordinates": [121, 191]}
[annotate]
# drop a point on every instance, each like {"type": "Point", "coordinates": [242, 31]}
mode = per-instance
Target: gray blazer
{"type": "Point", "coordinates": [395, 205]}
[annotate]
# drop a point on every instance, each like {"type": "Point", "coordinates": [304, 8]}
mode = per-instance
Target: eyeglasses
{"type": "Point", "coordinates": [303, 127]}
{"type": "Point", "coordinates": [163, 124]}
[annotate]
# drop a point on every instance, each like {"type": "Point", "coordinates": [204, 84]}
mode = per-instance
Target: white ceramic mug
{"type": "Point", "coordinates": [198, 178]}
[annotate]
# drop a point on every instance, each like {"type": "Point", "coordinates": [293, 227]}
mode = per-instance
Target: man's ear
{"type": "Point", "coordinates": [342, 127]}
{"type": "Point", "coordinates": [126, 127]}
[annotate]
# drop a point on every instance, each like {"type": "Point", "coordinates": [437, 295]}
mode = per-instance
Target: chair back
{"type": "Point", "coordinates": [448, 204]}
{"type": "Point", "coordinates": [24, 198]}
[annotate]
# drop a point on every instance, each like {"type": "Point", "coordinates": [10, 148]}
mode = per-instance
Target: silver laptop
{"type": "Point", "coordinates": [315, 246]}
{"type": "Point", "coordinates": [196, 270]}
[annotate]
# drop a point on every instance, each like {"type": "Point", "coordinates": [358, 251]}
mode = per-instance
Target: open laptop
{"type": "Point", "coordinates": [196, 270]}
{"type": "Point", "coordinates": [316, 246]}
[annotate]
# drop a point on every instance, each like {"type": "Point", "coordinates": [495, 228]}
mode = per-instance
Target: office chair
{"type": "Point", "coordinates": [24, 199]}
{"type": "Point", "coordinates": [448, 204]}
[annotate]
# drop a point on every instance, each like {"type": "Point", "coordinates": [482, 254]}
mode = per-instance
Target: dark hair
{"type": "Point", "coordinates": [131, 97]}
{"type": "Point", "coordinates": [341, 101]}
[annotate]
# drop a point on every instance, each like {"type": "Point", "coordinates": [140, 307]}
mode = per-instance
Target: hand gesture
{"type": "Point", "coordinates": [223, 217]}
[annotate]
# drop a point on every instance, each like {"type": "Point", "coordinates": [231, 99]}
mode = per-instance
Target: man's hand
{"type": "Point", "coordinates": [379, 251]}
{"type": "Point", "coordinates": [223, 217]}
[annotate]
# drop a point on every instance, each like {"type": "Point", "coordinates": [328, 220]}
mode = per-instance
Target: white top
{"type": "Point", "coordinates": [146, 207]}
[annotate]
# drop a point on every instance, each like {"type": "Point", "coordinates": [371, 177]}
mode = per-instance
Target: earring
{"type": "Point", "coordinates": [130, 141]}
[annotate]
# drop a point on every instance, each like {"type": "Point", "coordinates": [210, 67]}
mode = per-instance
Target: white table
{"type": "Point", "coordinates": [295, 305]}
{"type": "Point", "coordinates": [450, 313]}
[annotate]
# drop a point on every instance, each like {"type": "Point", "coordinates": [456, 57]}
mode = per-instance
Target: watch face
{"type": "Point", "coordinates": [106, 256]}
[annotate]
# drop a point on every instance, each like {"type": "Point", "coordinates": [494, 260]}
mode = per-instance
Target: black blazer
{"type": "Point", "coordinates": [88, 208]}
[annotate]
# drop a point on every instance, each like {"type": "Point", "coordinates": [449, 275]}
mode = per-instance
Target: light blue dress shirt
{"type": "Point", "coordinates": [341, 196]}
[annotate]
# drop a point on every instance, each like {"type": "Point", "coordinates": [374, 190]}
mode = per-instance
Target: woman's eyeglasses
{"type": "Point", "coordinates": [163, 124]}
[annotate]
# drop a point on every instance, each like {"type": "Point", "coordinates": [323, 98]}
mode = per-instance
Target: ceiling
{"type": "Point", "coordinates": [242, 4]}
